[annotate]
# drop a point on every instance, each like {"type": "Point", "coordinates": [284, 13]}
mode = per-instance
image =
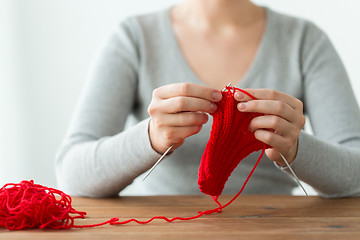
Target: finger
{"type": "Point", "coordinates": [269, 94]}
{"type": "Point", "coordinates": [274, 155]}
{"type": "Point", "coordinates": [280, 143]}
{"type": "Point", "coordinates": [187, 104]}
{"type": "Point", "coordinates": [278, 124]}
{"type": "Point", "coordinates": [269, 107]}
{"type": "Point", "coordinates": [181, 119]}
{"type": "Point", "coordinates": [173, 135]}
{"type": "Point", "coordinates": [188, 90]}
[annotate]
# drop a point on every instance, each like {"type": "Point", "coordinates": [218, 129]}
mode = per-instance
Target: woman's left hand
{"type": "Point", "coordinates": [281, 123]}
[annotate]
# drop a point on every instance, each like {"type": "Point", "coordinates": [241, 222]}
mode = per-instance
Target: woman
{"type": "Point", "coordinates": [188, 54]}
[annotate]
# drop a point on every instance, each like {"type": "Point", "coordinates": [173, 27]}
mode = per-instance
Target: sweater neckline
{"type": "Point", "coordinates": [256, 63]}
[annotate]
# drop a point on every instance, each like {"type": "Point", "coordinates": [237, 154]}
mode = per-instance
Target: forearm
{"type": "Point", "coordinates": [103, 167]}
{"type": "Point", "coordinates": [331, 169]}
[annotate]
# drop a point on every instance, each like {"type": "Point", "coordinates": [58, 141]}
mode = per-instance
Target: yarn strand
{"type": "Point", "coordinates": [207, 212]}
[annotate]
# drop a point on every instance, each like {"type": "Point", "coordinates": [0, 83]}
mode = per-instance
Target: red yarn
{"type": "Point", "coordinates": [207, 212]}
{"type": "Point", "coordinates": [29, 205]}
{"type": "Point", "coordinates": [230, 142]}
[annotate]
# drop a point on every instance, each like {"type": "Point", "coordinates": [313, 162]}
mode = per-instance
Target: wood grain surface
{"type": "Point", "coordinates": [249, 217]}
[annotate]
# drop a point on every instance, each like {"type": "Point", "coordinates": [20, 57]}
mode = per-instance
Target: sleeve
{"type": "Point", "coordinates": [98, 157]}
{"type": "Point", "coordinates": [328, 160]}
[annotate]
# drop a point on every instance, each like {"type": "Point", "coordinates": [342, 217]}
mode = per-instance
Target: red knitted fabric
{"type": "Point", "coordinates": [29, 205]}
{"type": "Point", "coordinates": [230, 142]}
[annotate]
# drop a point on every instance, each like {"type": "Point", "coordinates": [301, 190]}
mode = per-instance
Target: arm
{"type": "Point", "coordinates": [97, 157]}
{"type": "Point", "coordinates": [100, 158]}
{"type": "Point", "coordinates": [329, 161]}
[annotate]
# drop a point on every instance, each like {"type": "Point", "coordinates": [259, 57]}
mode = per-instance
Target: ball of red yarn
{"type": "Point", "coordinates": [29, 205]}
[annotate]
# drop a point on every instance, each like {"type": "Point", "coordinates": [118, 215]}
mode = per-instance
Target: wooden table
{"type": "Point", "coordinates": [249, 217]}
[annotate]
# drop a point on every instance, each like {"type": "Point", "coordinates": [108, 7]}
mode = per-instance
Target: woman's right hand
{"type": "Point", "coordinates": [178, 111]}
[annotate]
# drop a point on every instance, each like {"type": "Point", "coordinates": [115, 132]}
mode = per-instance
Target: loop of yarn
{"type": "Point", "coordinates": [29, 205]}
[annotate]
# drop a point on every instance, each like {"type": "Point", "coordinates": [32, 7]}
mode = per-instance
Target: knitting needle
{"type": "Point", "coordinates": [158, 161]}
{"type": "Point", "coordinates": [293, 173]}
{"type": "Point", "coordinates": [229, 85]}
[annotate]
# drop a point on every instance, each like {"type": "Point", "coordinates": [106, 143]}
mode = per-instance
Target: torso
{"type": "Point", "coordinates": [217, 59]}
{"type": "Point", "coordinates": [161, 64]}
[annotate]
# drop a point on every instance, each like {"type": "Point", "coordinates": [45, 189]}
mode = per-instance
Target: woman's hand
{"type": "Point", "coordinates": [281, 123]}
{"type": "Point", "coordinates": [178, 111]}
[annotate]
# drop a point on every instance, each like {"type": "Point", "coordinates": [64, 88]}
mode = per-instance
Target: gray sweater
{"type": "Point", "coordinates": [107, 145]}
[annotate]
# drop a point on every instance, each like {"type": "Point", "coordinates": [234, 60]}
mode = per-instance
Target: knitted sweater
{"type": "Point", "coordinates": [107, 145]}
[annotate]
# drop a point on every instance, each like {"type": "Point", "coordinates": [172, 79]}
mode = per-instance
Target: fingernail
{"type": "Point", "coordinates": [250, 129]}
{"type": "Point", "coordinates": [213, 107]}
{"type": "Point", "coordinates": [239, 95]}
{"type": "Point", "coordinates": [242, 106]}
{"type": "Point", "coordinates": [217, 96]}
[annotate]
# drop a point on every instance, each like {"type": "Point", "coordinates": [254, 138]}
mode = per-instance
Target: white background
{"type": "Point", "coordinates": [45, 50]}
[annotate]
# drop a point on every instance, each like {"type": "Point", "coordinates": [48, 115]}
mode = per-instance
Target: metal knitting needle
{"type": "Point", "coordinates": [293, 173]}
{"type": "Point", "coordinates": [229, 85]}
{"type": "Point", "coordinates": [158, 161]}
